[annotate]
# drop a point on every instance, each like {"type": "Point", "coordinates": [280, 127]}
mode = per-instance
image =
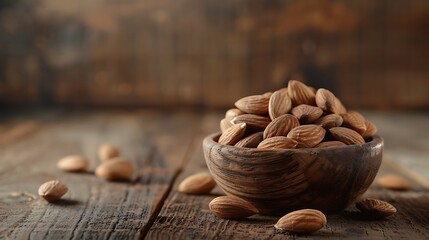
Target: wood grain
{"type": "Point", "coordinates": [93, 208]}
{"type": "Point", "coordinates": [162, 145]}
{"type": "Point", "coordinates": [184, 52]}
{"type": "Point", "coordinates": [188, 217]}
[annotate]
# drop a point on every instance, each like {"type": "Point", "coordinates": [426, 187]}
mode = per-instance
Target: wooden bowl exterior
{"type": "Point", "coordinates": [280, 181]}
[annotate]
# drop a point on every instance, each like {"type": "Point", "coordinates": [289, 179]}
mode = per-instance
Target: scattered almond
{"type": "Point", "coordinates": [200, 183]}
{"type": "Point", "coordinates": [306, 113]}
{"type": "Point", "coordinates": [279, 104]}
{"type": "Point", "coordinates": [302, 221]}
{"type": "Point", "coordinates": [355, 121]}
{"type": "Point", "coordinates": [116, 169]}
{"type": "Point", "coordinates": [375, 208]}
{"type": "Point", "coordinates": [251, 141]}
{"type": "Point", "coordinates": [327, 101]}
{"type": "Point", "coordinates": [300, 93]}
{"type": "Point", "coordinates": [231, 207]}
{"type": "Point", "coordinates": [233, 134]}
{"type": "Point", "coordinates": [108, 151]}
{"type": "Point", "coordinates": [346, 135]}
{"type": "Point", "coordinates": [281, 126]}
{"type": "Point", "coordinates": [307, 136]}
{"type": "Point", "coordinates": [394, 182]}
{"type": "Point", "coordinates": [253, 122]}
{"type": "Point", "coordinates": [53, 190]}
{"type": "Point", "coordinates": [255, 104]}
{"type": "Point", "coordinates": [73, 163]}
{"type": "Point", "coordinates": [278, 142]}
{"type": "Point", "coordinates": [329, 121]}
{"type": "Point", "coordinates": [329, 144]}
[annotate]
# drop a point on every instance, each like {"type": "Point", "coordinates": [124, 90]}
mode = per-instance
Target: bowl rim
{"type": "Point", "coordinates": [210, 139]}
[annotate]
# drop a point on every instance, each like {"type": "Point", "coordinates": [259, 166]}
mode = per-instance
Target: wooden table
{"type": "Point", "coordinates": [165, 146]}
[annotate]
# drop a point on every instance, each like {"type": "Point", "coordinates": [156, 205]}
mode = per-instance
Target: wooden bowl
{"type": "Point", "coordinates": [280, 181]}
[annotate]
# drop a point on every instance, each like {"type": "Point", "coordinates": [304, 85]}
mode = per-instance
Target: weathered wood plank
{"type": "Point", "coordinates": [93, 208]}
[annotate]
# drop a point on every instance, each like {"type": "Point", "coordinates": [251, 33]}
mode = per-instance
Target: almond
{"type": "Point", "coordinates": [329, 144]}
{"type": "Point", "coordinates": [233, 134]}
{"type": "Point", "coordinates": [233, 112]}
{"type": "Point", "coordinates": [279, 104]}
{"type": "Point", "coordinates": [73, 163]}
{"type": "Point", "coordinates": [116, 169]}
{"type": "Point", "coordinates": [53, 190]}
{"type": "Point", "coordinates": [250, 141]}
{"type": "Point", "coordinates": [255, 104]}
{"type": "Point", "coordinates": [281, 126]}
{"type": "Point", "coordinates": [231, 207]}
{"type": "Point", "coordinates": [254, 123]}
{"type": "Point", "coordinates": [329, 121]}
{"type": "Point", "coordinates": [371, 130]}
{"type": "Point", "coordinates": [355, 121]}
{"type": "Point", "coordinates": [108, 151]}
{"type": "Point", "coordinates": [307, 136]}
{"type": "Point", "coordinates": [327, 101]}
{"type": "Point", "coordinates": [346, 135]}
{"type": "Point", "coordinates": [278, 142]}
{"type": "Point", "coordinates": [394, 182]}
{"type": "Point", "coordinates": [375, 208]}
{"type": "Point", "coordinates": [199, 183]}
{"type": "Point", "coordinates": [300, 93]}
{"type": "Point", "coordinates": [302, 221]}
{"type": "Point", "coordinates": [225, 124]}
{"type": "Point", "coordinates": [267, 94]}
{"type": "Point", "coordinates": [306, 113]}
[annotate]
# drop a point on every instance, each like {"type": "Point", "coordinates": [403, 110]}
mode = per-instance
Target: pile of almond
{"type": "Point", "coordinates": [294, 117]}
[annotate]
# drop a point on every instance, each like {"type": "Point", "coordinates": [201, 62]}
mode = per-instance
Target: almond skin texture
{"type": "Point", "coordinates": [230, 207]}
{"type": "Point", "coordinates": [346, 135]}
{"type": "Point", "coordinates": [329, 121]}
{"type": "Point", "coordinates": [281, 126]}
{"type": "Point", "coordinates": [306, 113]}
{"type": "Point", "coordinates": [73, 163]}
{"type": "Point", "coordinates": [199, 183]}
{"type": "Point", "coordinates": [225, 124]}
{"type": "Point", "coordinates": [251, 141]}
{"type": "Point", "coordinates": [53, 190]}
{"type": "Point", "coordinates": [371, 130]}
{"type": "Point", "coordinates": [375, 208]}
{"type": "Point", "coordinates": [279, 104]}
{"type": "Point", "coordinates": [254, 123]}
{"type": "Point", "coordinates": [307, 136]}
{"type": "Point", "coordinates": [300, 93]}
{"type": "Point", "coordinates": [278, 142]}
{"type": "Point", "coordinates": [327, 101]}
{"type": "Point", "coordinates": [116, 169]}
{"type": "Point", "coordinates": [233, 134]}
{"type": "Point", "coordinates": [329, 144]}
{"type": "Point", "coordinates": [267, 94]}
{"type": "Point", "coordinates": [233, 112]}
{"type": "Point", "coordinates": [394, 182]}
{"type": "Point", "coordinates": [302, 221]}
{"type": "Point", "coordinates": [355, 121]}
{"type": "Point", "coordinates": [108, 151]}
{"type": "Point", "coordinates": [255, 104]}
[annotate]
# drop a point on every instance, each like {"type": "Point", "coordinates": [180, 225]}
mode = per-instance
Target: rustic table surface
{"type": "Point", "coordinates": [165, 146]}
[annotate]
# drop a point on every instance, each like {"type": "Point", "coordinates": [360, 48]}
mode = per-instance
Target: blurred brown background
{"type": "Point", "coordinates": [372, 54]}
